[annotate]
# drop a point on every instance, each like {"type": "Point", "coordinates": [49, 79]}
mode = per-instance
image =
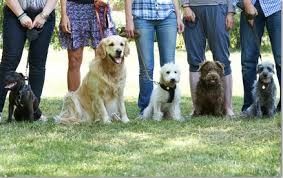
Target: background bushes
{"type": "Point", "coordinates": [118, 5]}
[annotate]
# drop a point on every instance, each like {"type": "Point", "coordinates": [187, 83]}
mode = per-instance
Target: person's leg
{"type": "Point", "coordinates": [145, 51]}
{"type": "Point", "coordinates": [13, 44]}
{"type": "Point", "coordinates": [273, 25]}
{"type": "Point", "coordinates": [195, 42]}
{"type": "Point", "coordinates": [219, 42]}
{"type": "Point", "coordinates": [38, 51]}
{"type": "Point", "coordinates": [166, 34]}
{"type": "Point", "coordinates": [250, 53]}
{"type": "Point", "coordinates": [75, 57]}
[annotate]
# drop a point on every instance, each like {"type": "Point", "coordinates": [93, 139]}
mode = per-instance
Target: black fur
{"type": "Point", "coordinates": [22, 97]}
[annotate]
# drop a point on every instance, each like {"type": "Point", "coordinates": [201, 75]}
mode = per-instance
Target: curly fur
{"type": "Point", "coordinates": [100, 96]}
{"type": "Point", "coordinates": [210, 90]}
{"type": "Point", "coordinates": [159, 107]}
{"type": "Point", "coordinates": [264, 93]}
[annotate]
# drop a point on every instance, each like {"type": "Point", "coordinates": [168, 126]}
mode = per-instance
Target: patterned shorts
{"type": "Point", "coordinates": [84, 28]}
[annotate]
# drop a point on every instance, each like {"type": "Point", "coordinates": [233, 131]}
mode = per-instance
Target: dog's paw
{"type": "Point", "coordinates": [125, 119]}
{"type": "Point", "coordinates": [107, 121]}
{"type": "Point", "coordinates": [179, 119]}
{"type": "Point", "coordinates": [157, 116]}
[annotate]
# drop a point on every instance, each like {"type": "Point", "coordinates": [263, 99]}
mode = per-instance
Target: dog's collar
{"type": "Point", "coordinates": [171, 91]}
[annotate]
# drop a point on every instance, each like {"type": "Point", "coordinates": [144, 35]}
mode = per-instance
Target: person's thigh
{"type": "Point", "coordinates": [218, 36]}
{"type": "Point", "coordinates": [273, 25]}
{"type": "Point", "coordinates": [145, 43]}
{"type": "Point", "coordinates": [166, 34]}
{"type": "Point", "coordinates": [195, 40]}
{"type": "Point", "coordinates": [13, 41]}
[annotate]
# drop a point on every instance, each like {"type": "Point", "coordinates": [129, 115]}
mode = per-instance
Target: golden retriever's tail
{"type": "Point", "coordinates": [72, 111]}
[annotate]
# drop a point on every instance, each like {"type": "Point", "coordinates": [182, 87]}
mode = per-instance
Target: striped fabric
{"type": "Point", "coordinates": [152, 9]}
{"type": "Point", "coordinates": [32, 4]}
{"type": "Point", "coordinates": [269, 7]}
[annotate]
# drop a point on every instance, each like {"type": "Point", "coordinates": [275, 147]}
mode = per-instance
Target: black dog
{"type": "Point", "coordinates": [22, 97]}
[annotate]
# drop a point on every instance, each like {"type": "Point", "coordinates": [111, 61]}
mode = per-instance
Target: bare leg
{"type": "Point", "coordinates": [75, 57]}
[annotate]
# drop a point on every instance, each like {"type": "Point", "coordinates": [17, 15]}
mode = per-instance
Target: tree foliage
{"type": "Point", "coordinates": [118, 5]}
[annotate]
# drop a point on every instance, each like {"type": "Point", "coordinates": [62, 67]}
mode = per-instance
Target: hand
{"type": "Point", "coordinates": [251, 12]}
{"type": "Point", "coordinates": [189, 14]}
{"type": "Point", "coordinates": [130, 29]}
{"type": "Point", "coordinates": [229, 21]}
{"type": "Point", "coordinates": [65, 24]}
{"type": "Point", "coordinates": [180, 25]}
{"type": "Point", "coordinates": [26, 22]}
{"type": "Point", "coordinates": [38, 22]}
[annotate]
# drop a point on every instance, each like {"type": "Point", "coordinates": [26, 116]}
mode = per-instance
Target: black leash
{"type": "Point", "coordinates": [253, 27]}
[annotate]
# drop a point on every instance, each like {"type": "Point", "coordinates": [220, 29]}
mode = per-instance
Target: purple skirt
{"type": "Point", "coordinates": [84, 28]}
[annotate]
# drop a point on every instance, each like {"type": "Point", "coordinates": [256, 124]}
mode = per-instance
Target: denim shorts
{"type": "Point", "coordinates": [209, 26]}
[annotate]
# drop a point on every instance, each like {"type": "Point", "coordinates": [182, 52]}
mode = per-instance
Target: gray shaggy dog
{"type": "Point", "coordinates": [210, 90]}
{"type": "Point", "coordinates": [264, 93]}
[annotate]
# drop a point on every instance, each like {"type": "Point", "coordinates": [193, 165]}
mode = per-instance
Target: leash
{"type": "Point", "coordinates": [98, 5]}
{"type": "Point", "coordinates": [145, 68]}
{"type": "Point", "coordinates": [253, 28]}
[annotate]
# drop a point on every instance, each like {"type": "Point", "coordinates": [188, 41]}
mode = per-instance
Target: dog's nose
{"type": "Point", "coordinates": [118, 52]}
{"type": "Point", "coordinates": [264, 74]}
{"type": "Point", "coordinates": [173, 80]}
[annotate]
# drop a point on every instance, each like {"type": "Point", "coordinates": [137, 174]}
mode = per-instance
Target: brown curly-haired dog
{"type": "Point", "coordinates": [210, 90]}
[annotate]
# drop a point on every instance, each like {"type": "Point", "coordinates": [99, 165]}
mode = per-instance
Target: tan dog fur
{"type": "Point", "coordinates": [100, 96]}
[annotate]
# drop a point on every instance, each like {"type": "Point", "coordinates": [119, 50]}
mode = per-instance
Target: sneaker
{"type": "Point", "coordinates": [43, 118]}
{"type": "Point", "coordinates": [0, 116]}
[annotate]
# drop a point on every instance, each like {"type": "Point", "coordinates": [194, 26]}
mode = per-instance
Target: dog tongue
{"type": "Point", "coordinates": [118, 60]}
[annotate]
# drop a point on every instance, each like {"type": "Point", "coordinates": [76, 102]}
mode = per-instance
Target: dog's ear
{"type": "Point", "coordinates": [202, 65]}
{"type": "Point", "coordinates": [101, 49]}
{"type": "Point", "coordinates": [220, 65]}
{"type": "Point", "coordinates": [272, 66]}
{"type": "Point", "coordinates": [259, 68]}
{"type": "Point", "coordinates": [127, 48]}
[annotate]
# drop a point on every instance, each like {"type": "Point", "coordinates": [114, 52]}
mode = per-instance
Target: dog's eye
{"type": "Point", "coordinates": [121, 44]}
{"type": "Point", "coordinates": [168, 72]}
{"type": "Point", "coordinates": [175, 72]}
{"type": "Point", "coordinates": [111, 44]}
{"type": "Point", "coordinates": [269, 69]}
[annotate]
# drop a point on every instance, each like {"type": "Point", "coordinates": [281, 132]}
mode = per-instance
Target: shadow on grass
{"type": "Point", "coordinates": [202, 146]}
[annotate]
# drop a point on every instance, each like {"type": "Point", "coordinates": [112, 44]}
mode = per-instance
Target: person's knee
{"type": "Point", "coordinates": [75, 63]}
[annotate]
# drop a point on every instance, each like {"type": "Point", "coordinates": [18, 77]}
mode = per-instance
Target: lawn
{"type": "Point", "coordinates": [202, 146]}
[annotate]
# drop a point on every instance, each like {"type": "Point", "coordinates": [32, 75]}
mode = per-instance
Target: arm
{"type": "Point", "coordinates": [230, 15]}
{"type": "Point", "coordinates": [129, 19]}
{"type": "Point", "coordinates": [65, 21]}
{"type": "Point", "coordinates": [179, 20]}
{"type": "Point", "coordinates": [41, 18]}
{"type": "Point", "coordinates": [19, 12]}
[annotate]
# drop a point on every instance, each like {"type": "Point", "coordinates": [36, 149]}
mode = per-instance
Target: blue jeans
{"type": "Point", "coordinates": [166, 34]}
{"type": "Point", "coordinates": [210, 25]}
{"type": "Point", "coordinates": [14, 38]}
{"type": "Point", "coordinates": [250, 51]}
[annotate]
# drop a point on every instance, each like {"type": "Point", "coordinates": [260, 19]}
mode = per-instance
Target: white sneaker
{"type": "Point", "coordinates": [0, 116]}
{"type": "Point", "coordinates": [43, 118]}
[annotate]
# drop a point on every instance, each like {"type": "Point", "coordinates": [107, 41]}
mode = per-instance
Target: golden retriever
{"type": "Point", "coordinates": [100, 96]}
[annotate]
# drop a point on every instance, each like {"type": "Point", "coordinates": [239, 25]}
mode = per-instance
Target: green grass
{"type": "Point", "coordinates": [203, 146]}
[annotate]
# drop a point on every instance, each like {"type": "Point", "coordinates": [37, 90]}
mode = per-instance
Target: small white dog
{"type": "Point", "coordinates": [165, 98]}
